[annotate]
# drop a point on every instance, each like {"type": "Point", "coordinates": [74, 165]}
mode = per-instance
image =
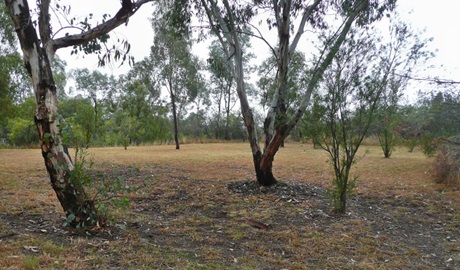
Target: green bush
{"type": "Point", "coordinates": [21, 132]}
{"type": "Point", "coordinates": [429, 145]}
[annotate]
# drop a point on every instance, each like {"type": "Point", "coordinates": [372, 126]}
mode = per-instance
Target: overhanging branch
{"type": "Point", "coordinates": [104, 28]}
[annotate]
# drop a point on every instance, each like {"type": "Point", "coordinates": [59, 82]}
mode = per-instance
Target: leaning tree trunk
{"type": "Point", "coordinates": [37, 54]}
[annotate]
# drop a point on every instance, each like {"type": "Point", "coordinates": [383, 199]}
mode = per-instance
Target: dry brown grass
{"type": "Point", "coordinates": [185, 215]}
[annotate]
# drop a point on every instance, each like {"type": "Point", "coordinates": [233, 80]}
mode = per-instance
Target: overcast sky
{"type": "Point", "coordinates": [439, 18]}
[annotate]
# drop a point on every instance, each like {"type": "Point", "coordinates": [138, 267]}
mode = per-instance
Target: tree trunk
{"type": "Point", "coordinates": [176, 128]}
{"type": "Point", "coordinates": [263, 170]}
{"type": "Point", "coordinates": [342, 203]}
{"type": "Point", "coordinates": [227, 110]}
{"type": "Point", "coordinates": [58, 163]}
{"type": "Point", "coordinates": [227, 127]}
{"type": "Point", "coordinates": [264, 167]}
{"type": "Point", "coordinates": [96, 117]}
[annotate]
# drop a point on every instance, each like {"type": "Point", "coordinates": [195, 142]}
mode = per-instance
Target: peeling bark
{"type": "Point", "coordinates": [37, 55]}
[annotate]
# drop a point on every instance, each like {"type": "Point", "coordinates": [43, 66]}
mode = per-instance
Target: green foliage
{"type": "Point", "coordinates": [411, 143]}
{"type": "Point", "coordinates": [7, 36]}
{"type": "Point", "coordinates": [22, 132]}
{"type": "Point", "coordinates": [32, 262]}
{"type": "Point", "coordinates": [428, 144]}
{"type": "Point", "coordinates": [433, 118]}
{"type": "Point", "coordinates": [340, 192]}
{"type": "Point", "coordinates": [105, 193]}
{"type": "Point", "coordinates": [80, 117]}
{"type": "Point", "coordinates": [296, 83]}
{"type": "Point", "coordinates": [101, 46]}
{"type": "Point", "coordinates": [60, 76]}
{"type": "Point", "coordinates": [442, 113]}
{"type": "Point", "coordinates": [387, 137]}
{"type": "Point", "coordinates": [83, 163]}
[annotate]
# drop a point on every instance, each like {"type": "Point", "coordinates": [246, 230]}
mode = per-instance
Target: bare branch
{"type": "Point", "coordinates": [68, 27]}
{"type": "Point", "coordinates": [430, 80]}
{"type": "Point", "coordinates": [260, 37]}
{"type": "Point", "coordinates": [104, 28]}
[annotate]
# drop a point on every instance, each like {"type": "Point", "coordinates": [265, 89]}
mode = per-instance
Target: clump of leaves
{"type": "Point", "coordinates": [429, 145]}
{"type": "Point", "coordinates": [341, 190]}
{"type": "Point", "coordinates": [105, 193]}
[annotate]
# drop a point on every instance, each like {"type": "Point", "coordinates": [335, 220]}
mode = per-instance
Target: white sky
{"type": "Point", "coordinates": [442, 21]}
{"type": "Point", "coordinates": [439, 18]}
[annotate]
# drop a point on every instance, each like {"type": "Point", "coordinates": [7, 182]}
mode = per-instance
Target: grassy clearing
{"type": "Point", "coordinates": [193, 208]}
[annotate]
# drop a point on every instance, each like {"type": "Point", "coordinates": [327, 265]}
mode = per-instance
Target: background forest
{"type": "Point", "coordinates": [197, 99]}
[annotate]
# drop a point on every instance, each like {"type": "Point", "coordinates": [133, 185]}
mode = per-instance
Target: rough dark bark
{"type": "Point", "coordinates": [264, 174]}
{"type": "Point", "coordinates": [176, 127]}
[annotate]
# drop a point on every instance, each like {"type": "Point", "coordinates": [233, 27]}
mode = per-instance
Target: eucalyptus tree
{"type": "Point", "coordinates": [296, 84]}
{"type": "Point", "coordinates": [39, 44]}
{"type": "Point", "coordinates": [96, 86]}
{"type": "Point", "coordinates": [172, 61]}
{"type": "Point", "coordinates": [228, 20]}
{"type": "Point", "coordinates": [222, 88]}
{"type": "Point", "coordinates": [223, 83]}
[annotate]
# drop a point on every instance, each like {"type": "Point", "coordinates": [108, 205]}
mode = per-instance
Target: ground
{"type": "Point", "coordinates": [200, 208]}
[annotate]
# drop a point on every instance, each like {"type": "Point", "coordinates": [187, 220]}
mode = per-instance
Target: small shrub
{"type": "Point", "coordinates": [446, 166]}
{"type": "Point", "coordinates": [340, 192]}
{"type": "Point", "coordinates": [31, 262]}
{"type": "Point", "coordinates": [411, 143]}
{"type": "Point", "coordinates": [429, 145]}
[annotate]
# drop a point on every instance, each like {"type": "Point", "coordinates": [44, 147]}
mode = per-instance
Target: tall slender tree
{"type": "Point", "coordinates": [172, 60]}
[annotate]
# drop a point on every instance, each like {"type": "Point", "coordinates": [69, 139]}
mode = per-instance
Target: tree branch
{"type": "Point", "coordinates": [44, 21]}
{"type": "Point", "coordinates": [431, 80]}
{"type": "Point", "coordinates": [99, 30]}
{"type": "Point", "coordinates": [320, 68]}
{"type": "Point", "coordinates": [308, 11]}
{"type": "Point", "coordinates": [260, 37]}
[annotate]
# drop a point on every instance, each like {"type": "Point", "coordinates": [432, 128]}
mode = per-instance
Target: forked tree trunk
{"type": "Point", "coordinates": [277, 124]}
{"type": "Point", "coordinates": [264, 174]}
